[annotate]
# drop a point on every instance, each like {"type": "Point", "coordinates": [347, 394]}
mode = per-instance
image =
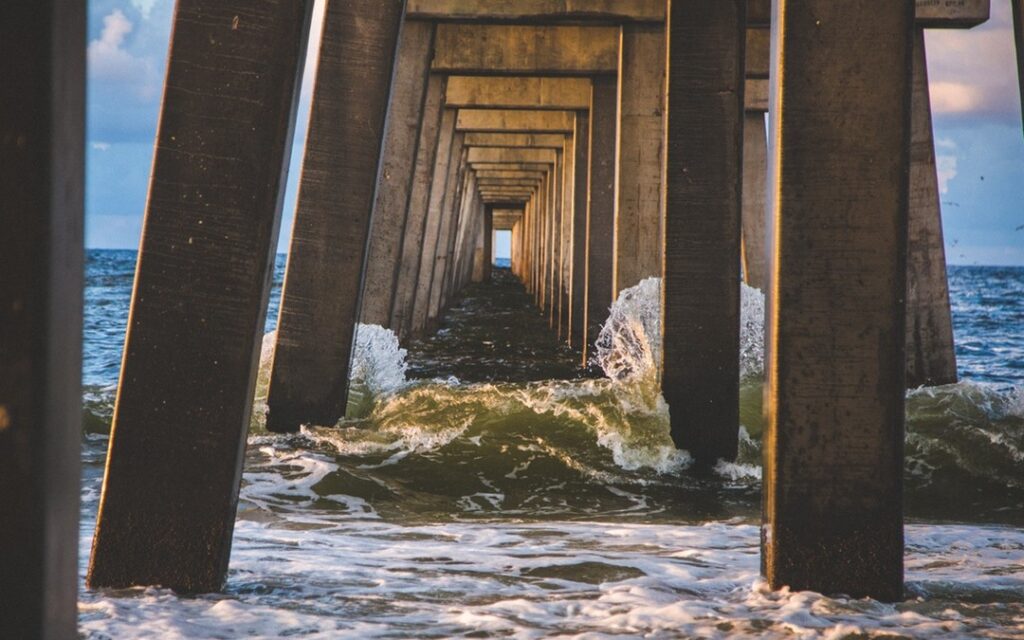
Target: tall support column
{"type": "Point", "coordinates": [755, 174]}
{"type": "Point", "coordinates": [449, 233]}
{"type": "Point", "coordinates": [834, 399]}
{"type": "Point", "coordinates": [320, 302]}
{"type": "Point", "coordinates": [416, 231]}
{"type": "Point", "coordinates": [581, 200]}
{"type": "Point", "coordinates": [931, 358]}
{"type": "Point", "coordinates": [42, 159]}
{"type": "Point", "coordinates": [601, 213]}
{"type": "Point", "coordinates": [701, 300]}
{"type": "Point", "coordinates": [565, 235]}
{"type": "Point", "coordinates": [488, 242]}
{"type": "Point", "coordinates": [405, 115]}
{"type": "Point", "coordinates": [435, 220]}
{"type": "Point", "coordinates": [192, 348]}
{"type": "Point", "coordinates": [638, 218]}
{"type": "Point", "coordinates": [1018, 35]}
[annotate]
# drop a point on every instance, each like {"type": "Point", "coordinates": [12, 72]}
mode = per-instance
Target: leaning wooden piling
{"type": "Point", "coordinates": [320, 303]}
{"type": "Point", "coordinates": [42, 160]}
{"type": "Point", "coordinates": [184, 400]}
{"type": "Point", "coordinates": [834, 402]}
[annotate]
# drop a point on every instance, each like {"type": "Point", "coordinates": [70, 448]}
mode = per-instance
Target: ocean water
{"type": "Point", "coordinates": [484, 485]}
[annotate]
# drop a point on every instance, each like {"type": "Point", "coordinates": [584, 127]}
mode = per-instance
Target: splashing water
{"type": "Point", "coordinates": [629, 345]}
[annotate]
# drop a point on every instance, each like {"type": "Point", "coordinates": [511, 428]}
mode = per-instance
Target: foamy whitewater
{"type": "Point", "coordinates": [559, 508]}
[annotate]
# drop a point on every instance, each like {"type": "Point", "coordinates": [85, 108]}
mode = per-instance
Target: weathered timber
{"type": "Point", "coordinates": [42, 176]}
{"type": "Point", "coordinates": [184, 400]}
{"type": "Point", "coordinates": [701, 297]}
{"type": "Point", "coordinates": [834, 399]}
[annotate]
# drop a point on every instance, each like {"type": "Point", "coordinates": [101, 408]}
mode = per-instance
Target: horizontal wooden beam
{"type": "Point", "coordinates": [515, 121]}
{"type": "Point", "coordinates": [538, 10]}
{"type": "Point", "coordinates": [487, 49]}
{"type": "Point", "coordinates": [514, 92]}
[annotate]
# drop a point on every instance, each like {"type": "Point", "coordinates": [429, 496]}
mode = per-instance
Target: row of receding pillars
{"type": "Point", "coordinates": [612, 151]}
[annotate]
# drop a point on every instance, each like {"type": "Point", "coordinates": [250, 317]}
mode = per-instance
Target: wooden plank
{"type": "Point", "coordinates": [42, 159]}
{"type": "Point", "coordinates": [167, 510]}
{"type": "Point", "coordinates": [483, 49]}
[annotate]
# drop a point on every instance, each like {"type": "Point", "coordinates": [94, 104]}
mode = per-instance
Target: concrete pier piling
{"type": "Point", "coordinates": [701, 305]}
{"type": "Point", "coordinates": [42, 176]}
{"type": "Point", "coordinates": [167, 509]}
{"type": "Point", "coordinates": [931, 357]}
{"type": "Point", "coordinates": [1018, 37]}
{"type": "Point", "coordinates": [615, 141]}
{"type": "Point", "coordinates": [601, 213]}
{"type": "Point", "coordinates": [834, 399]}
{"type": "Point", "coordinates": [320, 303]}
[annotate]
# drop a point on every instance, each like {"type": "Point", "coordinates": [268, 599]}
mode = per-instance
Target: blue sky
{"type": "Point", "coordinates": [975, 100]}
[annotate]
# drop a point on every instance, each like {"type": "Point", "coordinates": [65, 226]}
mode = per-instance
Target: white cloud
{"type": "Point", "coordinates": [946, 167]}
{"type": "Point", "coordinates": [101, 146]}
{"type": "Point", "coordinates": [972, 72]}
{"type": "Point", "coordinates": [145, 7]}
{"type": "Point", "coordinates": [110, 61]}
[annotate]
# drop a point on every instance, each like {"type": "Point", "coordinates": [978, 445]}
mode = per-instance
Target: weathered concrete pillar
{"type": "Point", "coordinates": [834, 399]}
{"type": "Point", "coordinates": [1018, 34]}
{"type": "Point", "coordinates": [701, 305]}
{"type": "Point", "coordinates": [566, 238]}
{"type": "Point", "coordinates": [203, 278]}
{"type": "Point", "coordinates": [931, 358]}
{"type": "Point", "coordinates": [320, 303]}
{"type": "Point", "coordinates": [433, 227]}
{"type": "Point", "coordinates": [638, 218]}
{"type": "Point", "coordinates": [601, 214]}
{"type": "Point", "coordinates": [755, 173]}
{"type": "Point", "coordinates": [450, 228]}
{"type": "Point", "coordinates": [405, 114]}
{"type": "Point", "coordinates": [416, 231]}
{"type": "Point", "coordinates": [42, 160]}
{"type": "Point", "coordinates": [488, 242]}
{"type": "Point", "coordinates": [581, 200]}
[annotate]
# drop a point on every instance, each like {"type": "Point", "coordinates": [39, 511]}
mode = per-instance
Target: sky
{"type": "Point", "coordinates": [972, 76]}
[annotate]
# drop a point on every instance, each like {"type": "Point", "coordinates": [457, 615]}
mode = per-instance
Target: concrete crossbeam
{"type": "Point", "coordinates": [513, 121]}
{"type": "Point", "coordinates": [489, 49]}
{"type": "Point", "coordinates": [545, 11]}
{"type": "Point", "coordinates": [518, 92]}
{"type": "Point", "coordinates": [524, 155]}
{"type": "Point", "coordinates": [499, 140]}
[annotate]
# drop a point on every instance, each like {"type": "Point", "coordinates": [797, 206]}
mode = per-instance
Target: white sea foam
{"type": "Point", "coordinates": [629, 345]}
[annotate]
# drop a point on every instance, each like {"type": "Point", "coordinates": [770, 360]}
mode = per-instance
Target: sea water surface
{"type": "Point", "coordinates": [485, 486]}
